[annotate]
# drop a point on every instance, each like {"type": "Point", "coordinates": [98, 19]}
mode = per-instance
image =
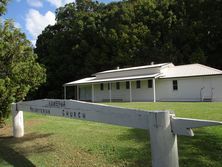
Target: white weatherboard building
{"type": "Point", "coordinates": [156, 82]}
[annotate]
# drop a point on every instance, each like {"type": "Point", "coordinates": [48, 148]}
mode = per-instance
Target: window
{"type": "Point", "coordinates": [117, 85]}
{"type": "Point", "coordinates": [101, 86]}
{"type": "Point", "coordinates": [175, 85]}
{"type": "Point", "coordinates": [150, 83]}
{"type": "Point", "coordinates": [127, 84]}
{"type": "Point", "coordinates": [108, 86]}
{"type": "Point", "coordinates": [138, 84]}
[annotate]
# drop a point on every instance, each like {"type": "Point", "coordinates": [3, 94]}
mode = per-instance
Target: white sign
{"type": "Point", "coordinates": [162, 125]}
{"type": "Point", "coordinates": [88, 111]}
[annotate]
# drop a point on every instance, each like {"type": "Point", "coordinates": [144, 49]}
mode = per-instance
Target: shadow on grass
{"type": "Point", "coordinates": [138, 154]}
{"type": "Point", "coordinates": [17, 157]}
{"type": "Point", "coordinates": [204, 149]}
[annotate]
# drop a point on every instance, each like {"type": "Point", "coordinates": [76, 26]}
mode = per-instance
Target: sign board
{"type": "Point", "coordinates": [163, 126]}
{"type": "Point", "coordinates": [87, 111]}
{"type": "Point", "coordinates": [107, 114]}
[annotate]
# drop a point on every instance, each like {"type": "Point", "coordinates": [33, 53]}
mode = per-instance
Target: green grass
{"type": "Point", "coordinates": [53, 141]}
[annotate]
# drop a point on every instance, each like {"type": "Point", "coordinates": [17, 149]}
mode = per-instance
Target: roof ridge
{"type": "Point", "coordinates": [133, 68]}
{"type": "Point", "coordinates": [185, 65]}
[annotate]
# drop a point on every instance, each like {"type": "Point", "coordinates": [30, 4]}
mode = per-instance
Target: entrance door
{"type": "Point", "coordinates": [85, 93]}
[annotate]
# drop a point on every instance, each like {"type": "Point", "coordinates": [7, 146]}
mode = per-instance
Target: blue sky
{"type": "Point", "coordinates": [32, 16]}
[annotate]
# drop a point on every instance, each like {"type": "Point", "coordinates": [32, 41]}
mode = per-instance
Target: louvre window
{"type": "Point", "coordinates": [101, 86]}
{"type": "Point", "coordinates": [127, 84]}
{"type": "Point", "coordinates": [138, 84]}
{"type": "Point", "coordinates": [175, 85]}
{"type": "Point", "coordinates": [150, 83]}
{"type": "Point", "coordinates": [117, 85]}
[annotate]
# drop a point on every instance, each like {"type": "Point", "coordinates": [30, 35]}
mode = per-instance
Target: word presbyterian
{"type": "Point", "coordinates": [40, 110]}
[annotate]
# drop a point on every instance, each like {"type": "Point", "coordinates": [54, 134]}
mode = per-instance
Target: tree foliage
{"type": "Point", "coordinates": [90, 37]}
{"type": "Point", "coordinates": [3, 6]}
{"type": "Point", "coordinates": [19, 71]}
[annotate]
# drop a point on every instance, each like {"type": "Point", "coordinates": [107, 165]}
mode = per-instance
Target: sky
{"type": "Point", "coordinates": [32, 16]}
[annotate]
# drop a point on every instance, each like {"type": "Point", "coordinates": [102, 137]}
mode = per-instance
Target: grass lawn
{"type": "Point", "coordinates": [59, 142]}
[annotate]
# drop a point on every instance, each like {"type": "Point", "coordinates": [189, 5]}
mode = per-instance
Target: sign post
{"type": "Point", "coordinates": [18, 124]}
{"type": "Point", "coordinates": [163, 142]}
{"type": "Point", "coordinates": [162, 125]}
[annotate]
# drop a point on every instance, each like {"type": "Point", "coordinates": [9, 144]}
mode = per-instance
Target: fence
{"type": "Point", "coordinates": [163, 126]}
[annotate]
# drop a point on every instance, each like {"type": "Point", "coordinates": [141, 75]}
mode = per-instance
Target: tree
{"type": "Point", "coordinates": [3, 6]}
{"type": "Point", "coordinates": [19, 72]}
{"type": "Point", "coordinates": [90, 37]}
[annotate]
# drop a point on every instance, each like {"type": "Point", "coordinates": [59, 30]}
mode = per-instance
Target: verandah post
{"type": "Point", "coordinates": [164, 148]}
{"type": "Point", "coordinates": [154, 90]}
{"type": "Point", "coordinates": [17, 119]}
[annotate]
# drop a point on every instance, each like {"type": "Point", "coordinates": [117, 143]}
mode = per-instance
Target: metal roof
{"type": "Point", "coordinates": [132, 68]}
{"type": "Point", "coordinates": [172, 71]}
{"type": "Point", "coordinates": [189, 70]}
{"type": "Point", "coordinates": [94, 80]}
{"type": "Point", "coordinates": [80, 81]}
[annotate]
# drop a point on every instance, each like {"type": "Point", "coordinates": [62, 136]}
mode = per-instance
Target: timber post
{"type": "Point", "coordinates": [163, 142]}
{"type": "Point", "coordinates": [17, 120]}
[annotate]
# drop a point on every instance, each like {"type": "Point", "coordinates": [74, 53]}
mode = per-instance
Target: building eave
{"type": "Point", "coordinates": [117, 79]}
{"type": "Point", "coordinates": [189, 76]}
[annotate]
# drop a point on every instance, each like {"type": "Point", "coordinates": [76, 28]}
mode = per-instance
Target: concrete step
{"type": "Point", "coordinates": [207, 100]}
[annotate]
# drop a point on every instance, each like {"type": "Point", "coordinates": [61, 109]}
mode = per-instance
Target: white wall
{"type": "Point", "coordinates": [104, 95]}
{"type": "Point", "coordinates": [100, 95]}
{"type": "Point", "coordinates": [217, 85]}
{"type": "Point", "coordinates": [142, 94]}
{"type": "Point", "coordinates": [85, 93]}
{"type": "Point", "coordinates": [189, 89]}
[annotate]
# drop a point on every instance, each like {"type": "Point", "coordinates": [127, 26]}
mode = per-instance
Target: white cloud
{"type": "Point", "coordinates": [35, 3]}
{"type": "Point", "coordinates": [36, 22]}
{"type": "Point", "coordinates": [68, 1]}
{"type": "Point", "coordinates": [33, 42]}
{"type": "Point", "coordinates": [17, 25]}
{"type": "Point", "coordinates": [59, 3]}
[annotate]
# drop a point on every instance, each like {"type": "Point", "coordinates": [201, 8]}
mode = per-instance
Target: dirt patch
{"type": "Point", "coordinates": [6, 130]}
{"type": "Point", "coordinates": [34, 122]}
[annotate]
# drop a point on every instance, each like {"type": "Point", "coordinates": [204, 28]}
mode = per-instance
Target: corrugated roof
{"type": "Point", "coordinates": [133, 68]}
{"type": "Point", "coordinates": [94, 80]}
{"type": "Point", "coordinates": [80, 81]}
{"type": "Point", "coordinates": [189, 71]}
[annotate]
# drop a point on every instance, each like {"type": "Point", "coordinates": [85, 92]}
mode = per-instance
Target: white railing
{"type": "Point", "coordinates": [163, 126]}
{"type": "Point", "coordinates": [203, 96]}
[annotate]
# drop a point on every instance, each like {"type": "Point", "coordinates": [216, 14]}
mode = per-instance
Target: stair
{"type": "Point", "coordinates": [207, 100]}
